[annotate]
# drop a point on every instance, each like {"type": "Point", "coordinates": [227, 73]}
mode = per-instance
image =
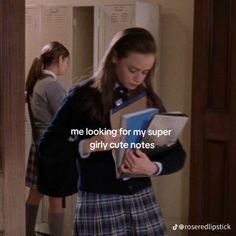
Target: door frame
{"type": "Point", "coordinates": [12, 115]}
{"type": "Point", "coordinates": [213, 123]}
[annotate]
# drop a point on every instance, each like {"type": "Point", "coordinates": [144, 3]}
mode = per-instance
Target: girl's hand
{"type": "Point", "coordinates": [137, 163]}
{"type": "Point", "coordinates": [105, 139]}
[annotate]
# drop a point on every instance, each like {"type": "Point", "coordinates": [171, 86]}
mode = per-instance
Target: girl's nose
{"type": "Point", "coordinates": [138, 78]}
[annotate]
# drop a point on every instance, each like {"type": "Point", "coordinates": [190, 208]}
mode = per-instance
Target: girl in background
{"type": "Point", "coordinates": [44, 95]}
{"type": "Point", "coordinates": [107, 205]}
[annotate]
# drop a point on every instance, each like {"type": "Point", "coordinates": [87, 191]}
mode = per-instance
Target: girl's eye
{"type": "Point", "coordinates": [145, 72]}
{"type": "Point", "coordinates": [131, 70]}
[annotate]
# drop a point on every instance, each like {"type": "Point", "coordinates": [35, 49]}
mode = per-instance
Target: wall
{"type": "Point", "coordinates": [176, 76]}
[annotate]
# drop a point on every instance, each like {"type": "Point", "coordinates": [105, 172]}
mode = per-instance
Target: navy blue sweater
{"type": "Point", "coordinates": [97, 172]}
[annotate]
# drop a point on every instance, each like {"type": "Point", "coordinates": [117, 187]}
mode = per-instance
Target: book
{"type": "Point", "coordinates": [164, 129]}
{"type": "Point", "coordinates": [136, 123]}
{"type": "Point", "coordinates": [161, 131]}
{"type": "Point", "coordinates": [134, 104]}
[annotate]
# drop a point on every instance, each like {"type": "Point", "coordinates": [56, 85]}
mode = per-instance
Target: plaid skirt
{"type": "Point", "coordinates": [31, 170]}
{"type": "Point", "coordinates": [118, 215]}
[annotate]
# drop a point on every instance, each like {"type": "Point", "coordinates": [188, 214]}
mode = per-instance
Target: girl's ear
{"type": "Point", "coordinates": [114, 57]}
{"type": "Point", "coordinates": [60, 59]}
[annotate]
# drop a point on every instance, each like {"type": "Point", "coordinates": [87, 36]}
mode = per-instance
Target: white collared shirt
{"type": "Point", "coordinates": [48, 72]}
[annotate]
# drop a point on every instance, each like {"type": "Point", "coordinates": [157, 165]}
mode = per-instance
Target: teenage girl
{"type": "Point", "coordinates": [44, 95]}
{"type": "Point", "coordinates": [107, 205]}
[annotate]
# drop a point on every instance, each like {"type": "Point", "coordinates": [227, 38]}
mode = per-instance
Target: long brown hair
{"type": "Point", "coordinates": [130, 40]}
{"type": "Point", "coordinates": [50, 54]}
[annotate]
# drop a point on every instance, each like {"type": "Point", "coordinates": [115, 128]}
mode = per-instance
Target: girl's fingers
{"type": "Point", "coordinates": [124, 169]}
{"type": "Point", "coordinates": [139, 153]}
{"type": "Point", "coordinates": [130, 157]}
{"type": "Point", "coordinates": [129, 161]}
{"type": "Point", "coordinates": [127, 164]}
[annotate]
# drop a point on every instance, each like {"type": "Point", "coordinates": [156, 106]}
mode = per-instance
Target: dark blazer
{"type": "Point", "coordinates": [97, 172]}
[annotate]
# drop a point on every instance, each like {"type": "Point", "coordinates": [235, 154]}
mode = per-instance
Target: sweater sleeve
{"type": "Point", "coordinates": [172, 159]}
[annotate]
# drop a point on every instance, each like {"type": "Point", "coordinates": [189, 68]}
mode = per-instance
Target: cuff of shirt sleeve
{"type": "Point", "coordinates": [81, 150]}
{"type": "Point", "coordinates": [159, 165]}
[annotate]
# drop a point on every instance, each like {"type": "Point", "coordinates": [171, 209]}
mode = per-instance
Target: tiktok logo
{"type": "Point", "coordinates": [175, 227]}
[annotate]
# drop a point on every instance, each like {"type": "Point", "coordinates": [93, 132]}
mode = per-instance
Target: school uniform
{"type": "Point", "coordinates": [44, 101]}
{"type": "Point", "coordinates": [107, 205]}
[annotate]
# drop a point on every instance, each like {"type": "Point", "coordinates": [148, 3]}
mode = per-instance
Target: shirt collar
{"type": "Point", "coordinates": [116, 85]}
{"type": "Point", "coordinates": [120, 87]}
{"type": "Point", "coordinates": [48, 72]}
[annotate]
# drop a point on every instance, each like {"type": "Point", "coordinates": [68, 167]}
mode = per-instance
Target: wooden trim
{"type": "Point", "coordinates": [12, 64]}
{"type": "Point", "coordinates": [213, 143]}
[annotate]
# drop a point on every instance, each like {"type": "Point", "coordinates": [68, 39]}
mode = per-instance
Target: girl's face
{"type": "Point", "coordinates": [63, 65]}
{"type": "Point", "coordinates": [132, 70]}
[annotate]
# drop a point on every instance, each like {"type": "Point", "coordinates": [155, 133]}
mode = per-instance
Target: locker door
{"type": "Point", "coordinates": [148, 16]}
{"type": "Point", "coordinates": [31, 51]}
{"type": "Point", "coordinates": [31, 36]}
{"type": "Point", "coordinates": [83, 42]}
{"type": "Point", "coordinates": [113, 19]}
{"type": "Point", "coordinates": [56, 26]}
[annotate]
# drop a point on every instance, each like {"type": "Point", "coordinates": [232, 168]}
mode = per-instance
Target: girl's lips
{"type": "Point", "coordinates": [134, 85]}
